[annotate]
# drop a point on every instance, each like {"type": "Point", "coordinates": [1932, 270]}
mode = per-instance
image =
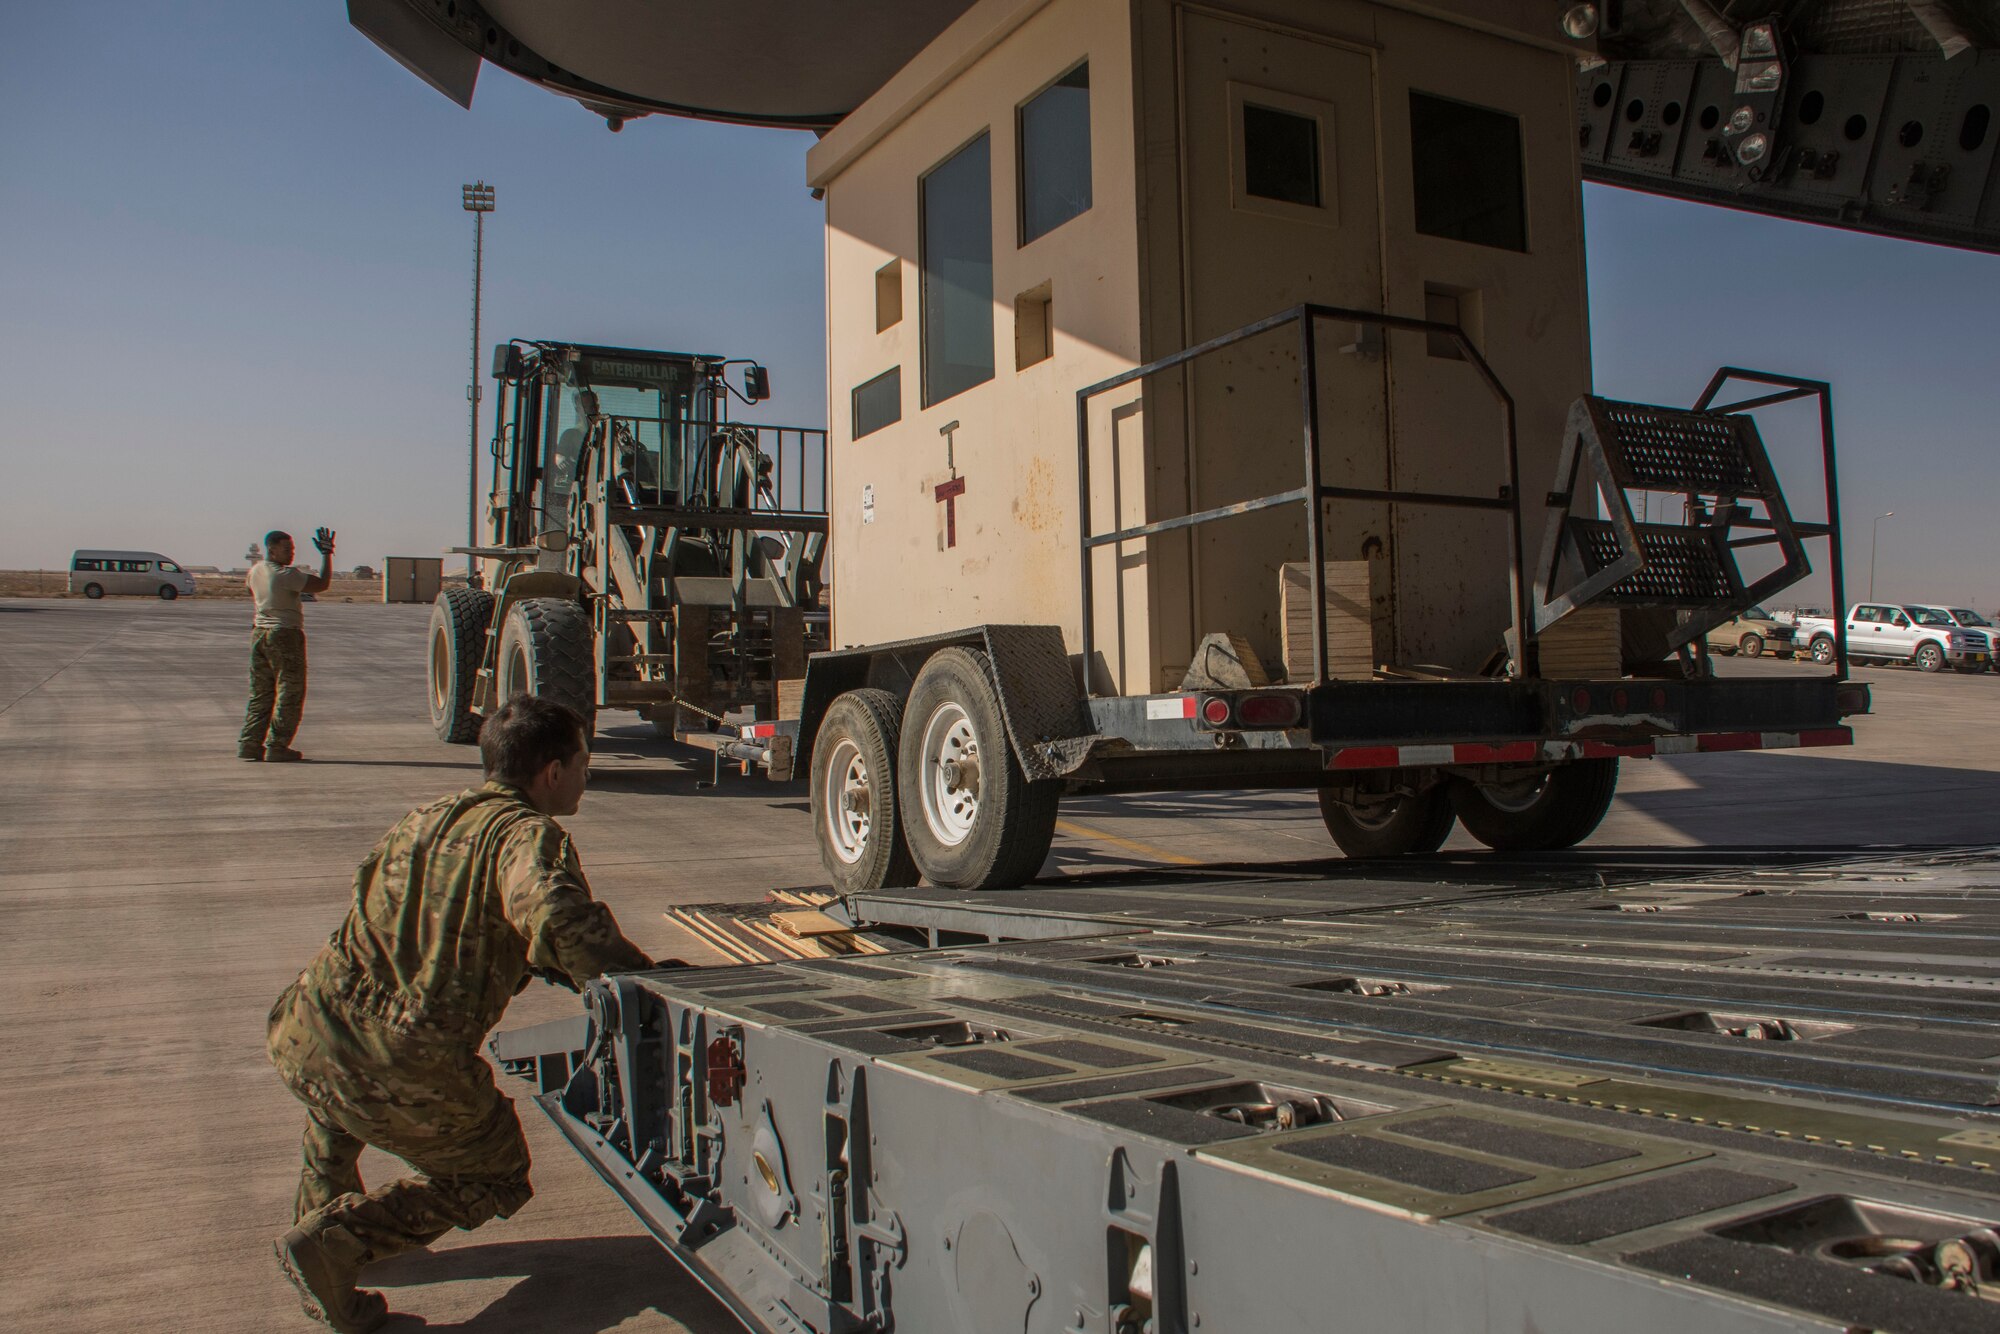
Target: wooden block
{"type": "Point", "coordinates": [808, 922]}
{"type": "Point", "coordinates": [1583, 645]}
{"type": "Point", "coordinates": [1357, 618]}
{"type": "Point", "coordinates": [1225, 662]}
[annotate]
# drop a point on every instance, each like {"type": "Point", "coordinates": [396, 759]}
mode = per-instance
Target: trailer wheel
{"type": "Point", "coordinates": [1822, 649]}
{"type": "Point", "coordinates": [973, 820]}
{"type": "Point", "coordinates": [1539, 813]}
{"type": "Point", "coordinates": [1386, 826]}
{"type": "Point", "coordinates": [456, 643]}
{"type": "Point", "coordinates": [545, 649]}
{"type": "Point", "coordinates": [861, 840]}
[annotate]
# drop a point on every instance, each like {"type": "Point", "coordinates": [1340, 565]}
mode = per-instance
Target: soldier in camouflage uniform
{"type": "Point", "coordinates": [453, 911]}
{"type": "Point", "coordinates": [278, 646]}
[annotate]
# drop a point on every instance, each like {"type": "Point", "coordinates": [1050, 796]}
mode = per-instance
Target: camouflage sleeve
{"type": "Point", "coordinates": [548, 901]}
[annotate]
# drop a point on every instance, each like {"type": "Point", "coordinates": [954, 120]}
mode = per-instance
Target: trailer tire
{"type": "Point", "coordinates": [993, 830]}
{"type": "Point", "coordinates": [1560, 811]}
{"type": "Point", "coordinates": [456, 643]}
{"type": "Point", "coordinates": [1392, 827]}
{"type": "Point", "coordinates": [545, 649]}
{"type": "Point", "coordinates": [856, 747]}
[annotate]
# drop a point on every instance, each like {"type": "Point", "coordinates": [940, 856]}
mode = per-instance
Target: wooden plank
{"type": "Point", "coordinates": [716, 939]}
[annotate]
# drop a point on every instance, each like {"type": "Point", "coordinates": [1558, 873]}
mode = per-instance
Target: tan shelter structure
{"type": "Point", "coordinates": [412, 578]}
{"type": "Point", "coordinates": [1055, 191]}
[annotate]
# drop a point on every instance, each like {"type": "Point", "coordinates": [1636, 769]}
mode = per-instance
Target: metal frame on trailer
{"type": "Point", "coordinates": [1306, 316]}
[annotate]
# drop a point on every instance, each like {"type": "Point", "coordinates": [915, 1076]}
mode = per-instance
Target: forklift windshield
{"type": "Point", "coordinates": [649, 406]}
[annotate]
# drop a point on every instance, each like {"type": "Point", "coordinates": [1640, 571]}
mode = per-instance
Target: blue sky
{"type": "Point", "coordinates": [235, 281]}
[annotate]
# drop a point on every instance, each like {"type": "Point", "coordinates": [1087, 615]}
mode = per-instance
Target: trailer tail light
{"type": "Point", "coordinates": [1619, 700]}
{"type": "Point", "coordinates": [1580, 698]}
{"type": "Point", "coordinates": [1267, 710]}
{"type": "Point", "coordinates": [1659, 699]}
{"type": "Point", "coordinates": [1215, 711]}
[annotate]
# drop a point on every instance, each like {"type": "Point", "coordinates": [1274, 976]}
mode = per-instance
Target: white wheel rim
{"type": "Point", "coordinates": [950, 781]}
{"type": "Point", "coordinates": [1516, 797]}
{"type": "Point", "coordinates": [1375, 813]}
{"type": "Point", "coordinates": [849, 803]}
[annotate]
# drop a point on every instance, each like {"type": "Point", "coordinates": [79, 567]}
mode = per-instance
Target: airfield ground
{"type": "Point", "coordinates": [158, 893]}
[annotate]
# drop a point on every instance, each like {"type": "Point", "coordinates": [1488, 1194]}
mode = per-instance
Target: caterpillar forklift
{"type": "Point", "coordinates": [645, 551]}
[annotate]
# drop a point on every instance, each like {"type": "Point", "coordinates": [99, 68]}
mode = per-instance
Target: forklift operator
{"type": "Point", "coordinates": [379, 1037]}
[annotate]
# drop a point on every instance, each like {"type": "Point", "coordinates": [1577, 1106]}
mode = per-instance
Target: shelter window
{"type": "Point", "coordinates": [1280, 155]}
{"type": "Point", "coordinates": [878, 402]}
{"type": "Point", "coordinates": [1467, 165]}
{"type": "Point", "coordinates": [1055, 154]}
{"type": "Point", "coordinates": [956, 204]}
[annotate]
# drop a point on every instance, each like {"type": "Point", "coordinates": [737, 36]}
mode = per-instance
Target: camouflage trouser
{"type": "Point", "coordinates": [434, 1106]}
{"type": "Point", "coordinates": [277, 688]}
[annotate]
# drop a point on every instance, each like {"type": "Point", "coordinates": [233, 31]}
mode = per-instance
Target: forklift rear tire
{"type": "Point", "coordinates": [457, 642]}
{"type": "Point", "coordinates": [972, 818]}
{"type": "Point", "coordinates": [854, 795]}
{"type": "Point", "coordinates": [1394, 826]}
{"type": "Point", "coordinates": [1558, 809]}
{"type": "Point", "coordinates": [545, 649]}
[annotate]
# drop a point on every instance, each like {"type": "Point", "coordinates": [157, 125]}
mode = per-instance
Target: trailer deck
{"type": "Point", "coordinates": [1721, 1090]}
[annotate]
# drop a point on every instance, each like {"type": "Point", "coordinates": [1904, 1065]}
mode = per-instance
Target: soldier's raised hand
{"type": "Point", "coordinates": [323, 539]}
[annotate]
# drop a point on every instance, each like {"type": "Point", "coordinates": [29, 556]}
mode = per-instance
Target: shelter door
{"type": "Point", "coordinates": [1281, 201]}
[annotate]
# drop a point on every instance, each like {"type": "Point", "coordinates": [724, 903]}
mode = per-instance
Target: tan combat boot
{"type": "Point", "coordinates": [324, 1269]}
{"type": "Point", "coordinates": [275, 754]}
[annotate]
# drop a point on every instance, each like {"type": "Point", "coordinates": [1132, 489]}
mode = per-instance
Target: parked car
{"type": "Point", "coordinates": [1973, 623]}
{"type": "Point", "coordinates": [1892, 632]}
{"type": "Point", "coordinates": [1753, 634]}
{"type": "Point", "coordinates": [148, 573]}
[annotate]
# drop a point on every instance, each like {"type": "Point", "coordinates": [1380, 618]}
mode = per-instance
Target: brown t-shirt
{"type": "Point", "coordinates": [276, 589]}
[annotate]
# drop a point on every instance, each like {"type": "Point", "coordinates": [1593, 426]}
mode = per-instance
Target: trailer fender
{"type": "Point", "coordinates": [1041, 692]}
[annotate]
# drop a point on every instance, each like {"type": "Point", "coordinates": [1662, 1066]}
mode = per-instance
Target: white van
{"type": "Point", "coordinates": [148, 573]}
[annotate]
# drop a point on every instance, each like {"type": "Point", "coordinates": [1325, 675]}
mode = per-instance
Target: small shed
{"type": "Point", "coordinates": [411, 578]}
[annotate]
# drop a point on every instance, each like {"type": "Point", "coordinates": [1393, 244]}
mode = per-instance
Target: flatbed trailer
{"type": "Point", "coordinates": [1643, 1091]}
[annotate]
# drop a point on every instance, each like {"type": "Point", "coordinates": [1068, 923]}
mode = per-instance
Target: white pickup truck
{"type": "Point", "coordinates": [1897, 632]}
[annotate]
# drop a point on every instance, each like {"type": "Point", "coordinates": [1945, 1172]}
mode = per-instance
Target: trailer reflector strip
{"type": "Point", "coordinates": [1170, 706]}
{"type": "Point", "coordinates": [754, 730]}
{"type": "Point", "coordinates": [1521, 752]}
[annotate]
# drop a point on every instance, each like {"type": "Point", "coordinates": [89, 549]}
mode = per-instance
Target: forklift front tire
{"type": "Point", "coordinates": [854, 795]}
{"type": "Point", "coordinates": [456, 644]}
{"type": "Point", "coordinates": [1388, 826]}
{"type": "Point", "coordinates": [546, 650]}
{"type": "Point", "coordinates": [1555, 810]}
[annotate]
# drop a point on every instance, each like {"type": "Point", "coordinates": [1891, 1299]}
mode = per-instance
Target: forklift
{"type": "Point", "coordinates": [645, 552]}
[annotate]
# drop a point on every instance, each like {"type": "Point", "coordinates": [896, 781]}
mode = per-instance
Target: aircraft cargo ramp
{"type": "Point", "coordinates": [1647, 1092]}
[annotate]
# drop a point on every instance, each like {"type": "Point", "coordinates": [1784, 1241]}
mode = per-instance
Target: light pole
{"type": "Point", "coordinates": [478, 201]}
{"type": "Point", "coordinates": [1874, 543]}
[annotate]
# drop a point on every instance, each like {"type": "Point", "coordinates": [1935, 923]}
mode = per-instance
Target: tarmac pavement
{"type": "Point", "coordinates": [159, 893]}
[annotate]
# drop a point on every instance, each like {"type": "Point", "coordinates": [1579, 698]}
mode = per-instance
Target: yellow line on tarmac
{"type": "Point", "coordinates": [1130, 845]}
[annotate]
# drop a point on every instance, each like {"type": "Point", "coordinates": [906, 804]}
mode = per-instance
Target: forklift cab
{"type": "Point", "coordinates": [655, 409]}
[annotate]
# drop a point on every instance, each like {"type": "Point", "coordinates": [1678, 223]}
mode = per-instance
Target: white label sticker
{"type": "Point", "coordinates": [868, 503]}
{"type": "Point", "coordinates": [1170, 707]}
